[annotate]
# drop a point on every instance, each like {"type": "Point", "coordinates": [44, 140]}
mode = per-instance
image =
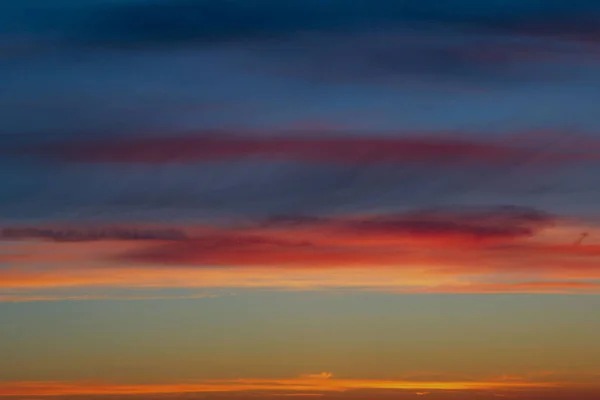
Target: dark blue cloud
{"type": "Point", "coordinates": [165, 22]}
{"type": "Point", "coordinates": [460, 40]}
{"type": "Point", "coordinates": [210, 20]}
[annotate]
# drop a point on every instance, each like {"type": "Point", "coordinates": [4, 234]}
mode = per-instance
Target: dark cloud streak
{"type": "Point", "coordinates": [90, 235]}
{"type": "Point", "coordinates": [351, 241]}
{"type": "Point", "coordinates": [308, 148]}
{"type": "Point", "coordinates": [503, 223]}
{"type": "Point", "coordinates": [161, 22]}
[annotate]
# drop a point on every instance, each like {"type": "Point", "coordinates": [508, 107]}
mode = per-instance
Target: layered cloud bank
{"type": "Point", "coordinates": [193, 144]}
{"type": "Point", "coordinates": [464, 250]}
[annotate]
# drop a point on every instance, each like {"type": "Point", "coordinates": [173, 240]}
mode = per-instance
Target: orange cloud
{"type": "Point", "coordinates": [249, 278]}
{"type": "Point", "coordinates": [25, 284]}
{"type": "Point", "coordinates": [87, 388]}
{"type": "Point", "coordinates": [557, 287]}
{"type": "Point", "coordinates": [29, 298]}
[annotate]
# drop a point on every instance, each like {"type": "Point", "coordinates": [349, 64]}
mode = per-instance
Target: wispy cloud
{"type": "Point", "coordinates": [498, 224]}
{"type": "Point", "coordinates": [248, 385]}
{"type": "Point", "coordinates": [206, 147]}
{"type": "Point", "coordinates": [25, 298]}
{"type": "Point", "coordinates": [89, 234]}
{"type": "Point", "coordinates": [552, 287]}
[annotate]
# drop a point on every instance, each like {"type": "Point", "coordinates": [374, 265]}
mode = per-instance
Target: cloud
{"type": "Point", "coordinates": [161, 22]}
{"type": "Point", "coordinates": [90, 234]}
{"type": "Point", "coordinates": [322, 375]}
{"type": "Point", "coordinates": [254, 251]}
{"type": "Point", "coordinates": [306, 241]}
{"type": "Point", "coordinates": [309, 148]}
{"type": "Point", "coordinates": [34, 298]}
{"type": "Point", "coordinates": [564, 287]}
{"type": "Point", "coordinates": [83, 388]}
{"type": "Point", "coordinates": [64, 282]}
{"type": "Point", "coordinates": [432, 54]}
{"type": "Point", "coordinates": [152, 179]}
{"type": "Point", "coordinates": [377, 268]}
{"type": "Point", "coordinates": [488, 225]}
{"type": "Point", "coordinates": [485, 250]}
{"type": "Point", "coordinates": [371, 40]}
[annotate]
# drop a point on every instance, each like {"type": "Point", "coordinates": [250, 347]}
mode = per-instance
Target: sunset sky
{"type": "Point", "coordinates": [269, 199]}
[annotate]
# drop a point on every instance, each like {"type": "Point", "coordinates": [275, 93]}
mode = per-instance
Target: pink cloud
{"type": "Point", "coordinates": [306, 148]}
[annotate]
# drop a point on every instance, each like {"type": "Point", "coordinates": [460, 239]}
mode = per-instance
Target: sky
{"type": "Point", "coordinates": [235, 199]}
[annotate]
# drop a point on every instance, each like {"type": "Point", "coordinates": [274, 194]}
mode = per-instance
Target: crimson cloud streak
{"type": "Point", "coordinates": [311, 147]}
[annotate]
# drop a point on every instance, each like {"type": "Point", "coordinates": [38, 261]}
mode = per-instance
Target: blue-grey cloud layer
{"type": "Point", "coordinates": [89, 70]}
{"type": "Point", "coordinates": [167, 21]}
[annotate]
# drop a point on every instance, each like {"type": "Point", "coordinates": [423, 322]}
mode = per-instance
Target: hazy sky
{"type": "Point", "coordinates": [341, 199]}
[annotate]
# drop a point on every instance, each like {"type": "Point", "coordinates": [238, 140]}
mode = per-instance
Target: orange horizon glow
{"type": "Point", "coordinates": [417, 279]}
{"type": "Point", "coordinates": [311, 383]}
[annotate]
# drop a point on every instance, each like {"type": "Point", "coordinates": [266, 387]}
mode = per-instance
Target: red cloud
{"type": "Point", "coordinates": [507, 249]}
{"type": "Point", "coordinates": [432, 256]}
{"type": "Point", "coordinates": [355, 241]}
{"type": "Point", "coordinates": [341, 150]}
{"type": "Point", "coordinates": [485, 226]}
{"type": "Point", "coordinates": [257, 251]}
